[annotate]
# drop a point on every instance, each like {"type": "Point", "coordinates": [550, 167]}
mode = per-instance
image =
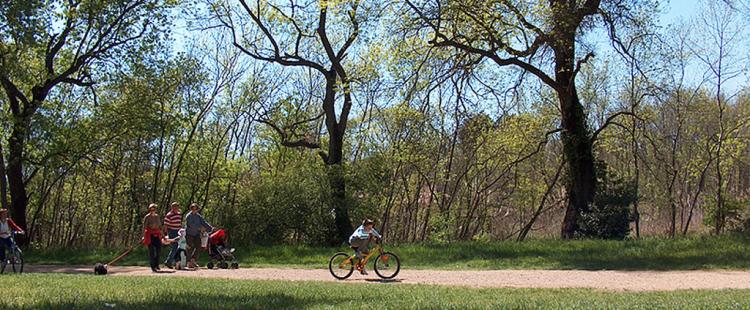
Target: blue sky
{"type": "Point", "coordinates": [673, 11]}
{"type": "Point", "coordinates": [688, 9]}
{"type": "Point", "coordinates": [677, 9]}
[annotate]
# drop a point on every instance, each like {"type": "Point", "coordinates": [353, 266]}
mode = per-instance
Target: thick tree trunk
{"type": "Point", "coordinates": [337, 183]}
{"type": "Point", "coordinates": [576, 138]}
{"type": "Point", "coordinates": [18, 197]}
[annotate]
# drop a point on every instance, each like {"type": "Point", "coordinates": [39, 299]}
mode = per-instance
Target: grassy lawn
{"type": "Point", "coordinates": [97, 292]}
{"type": "Point", "coordinates": [725, 252]}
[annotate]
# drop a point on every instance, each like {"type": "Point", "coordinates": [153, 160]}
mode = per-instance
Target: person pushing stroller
{"type": "Point", "coordinates": [194, 225]}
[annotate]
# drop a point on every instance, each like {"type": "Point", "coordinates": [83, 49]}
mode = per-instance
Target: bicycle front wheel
{"type": "Point", "coordinates": [387, 265]}
{"type": "Point", "coordinates": [341, 266]}
{"type": "Point", "coordinates": [16, 261]}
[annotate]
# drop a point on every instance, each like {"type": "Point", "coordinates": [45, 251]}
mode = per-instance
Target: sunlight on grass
{"type": "Point", "coordinates": [96, 292]}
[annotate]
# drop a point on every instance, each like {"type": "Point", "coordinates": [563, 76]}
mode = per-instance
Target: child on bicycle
{"type": "Point", "coordinates": [7, 227]}
{"type": "Point", "coordinates": [360, 240]}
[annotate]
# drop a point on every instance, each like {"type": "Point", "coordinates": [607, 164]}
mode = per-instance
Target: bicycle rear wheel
{"type": "Point", "coordinates": [387, 265]}
{"type": "Point", "coordinates": [341, 266]}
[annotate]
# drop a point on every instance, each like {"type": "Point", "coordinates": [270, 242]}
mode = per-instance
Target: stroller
{"type": "Point", "coordinates": [220, 254]}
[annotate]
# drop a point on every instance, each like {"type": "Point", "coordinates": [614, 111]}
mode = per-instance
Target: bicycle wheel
{"type": "Point", "coordinates": [387, 265]}
{"type": "Point", "coordinates": [340, 266]}
{"type": "Point", "coordinates": [16, 261]}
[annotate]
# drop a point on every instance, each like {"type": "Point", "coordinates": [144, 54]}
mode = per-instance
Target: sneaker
{"type": "Point", "coordinates": [361, 269]}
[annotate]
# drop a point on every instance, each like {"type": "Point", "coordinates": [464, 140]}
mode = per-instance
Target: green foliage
{"type": "Point", "coordinates": [288, 204]}
{"type": "Point", "coordinates": [609, 216]}
{"type": "Point", "coordinates": [440, 145]}
{"type": "Point", "coordinates": [735, 211]}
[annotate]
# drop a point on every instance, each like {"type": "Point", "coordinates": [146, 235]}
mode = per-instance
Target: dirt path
{"type": "Point", "coordinates": [605, 280]}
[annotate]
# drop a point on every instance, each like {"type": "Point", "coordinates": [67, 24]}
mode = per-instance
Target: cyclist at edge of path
{"type": "Point", "coordinates": [360, 240]}
{"type": "Point", "coordinates": [7, 227]}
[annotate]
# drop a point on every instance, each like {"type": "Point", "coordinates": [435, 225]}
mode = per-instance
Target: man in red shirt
{"type": "Point", "coordinates": [172, 225]}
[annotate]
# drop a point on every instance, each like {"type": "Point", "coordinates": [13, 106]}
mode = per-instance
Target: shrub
{"type": "Point", "coordinates": [609, 216]}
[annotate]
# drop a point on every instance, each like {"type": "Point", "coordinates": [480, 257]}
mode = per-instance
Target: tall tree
{"type": "Point", "coordinates": [316, 36]}
{"type": "Point", "coordinates": [517, 34]}
{"type": "Point", "coordinates": [74, 37]}
{"type": "Point", "coordinates": [716, 48]}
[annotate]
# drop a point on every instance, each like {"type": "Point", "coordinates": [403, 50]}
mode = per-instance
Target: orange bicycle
{"type": "Point", "coordinates": [387, 265]}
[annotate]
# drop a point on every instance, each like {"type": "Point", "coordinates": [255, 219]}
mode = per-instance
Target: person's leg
{"type": "Point", "coordinates": [182, 257]}
{"type": "Point", "coordinates": [194, 244]}
{"type": "Point", "coordinates": [357, 243]}
{"type": "Point", "coordinates": [171, 234]}
{"type": "Point", "coordinates": [198, 250]}
{"type": "Point", "coordinates": [365, 248]}
{"type": "Point", "coordinates": [191, 246]}
{"type": "Point", "coordinates": [4, 243]}
{"type": "Point", "coordinates": [151, 253]}
{"type": "Point", "coordinates": [158, 252]}
{"type": "Point", "coordinates": [155, 250]}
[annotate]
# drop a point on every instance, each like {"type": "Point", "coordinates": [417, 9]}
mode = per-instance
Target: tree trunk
{"type": "Point", "coordinates": [337, 183]}
{"type": "Point", "coordinates": [636, 212]}
{"type": "Point", "coordinates": [3, 180]}
{"type": "Point", "coordinates": [577, 144]}
{"type": "Point", "coordinates": [19, 199]}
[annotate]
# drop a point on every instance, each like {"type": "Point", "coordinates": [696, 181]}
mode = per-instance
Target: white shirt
{"type": "Point", "coordinates": [4, 229]}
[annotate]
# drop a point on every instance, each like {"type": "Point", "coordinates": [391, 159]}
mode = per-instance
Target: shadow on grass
{"type": "Point", "coordinates": [213, 300]}
{"type": "Point", "coordinates": [197, 301]}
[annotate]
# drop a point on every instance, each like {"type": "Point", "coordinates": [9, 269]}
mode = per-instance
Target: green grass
{"type": "Point", "coordinates": [47, 291]}
{"type": "Point", "coordinates": [725, 252]}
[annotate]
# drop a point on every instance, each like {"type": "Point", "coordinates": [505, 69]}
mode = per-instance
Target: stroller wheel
{"type": "Point", "coordinates": [210, 265]}
{"type": "Point", "coordinates": [224, 265]}
{"type": "Point", "coordinates": [235, 265]}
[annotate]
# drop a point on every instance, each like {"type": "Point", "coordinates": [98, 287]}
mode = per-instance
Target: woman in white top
{"type": "Point", "coordinates": [7, 227]}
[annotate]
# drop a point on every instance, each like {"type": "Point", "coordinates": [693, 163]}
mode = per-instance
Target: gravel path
{"type": "Point", "coordinates": [602, 279]}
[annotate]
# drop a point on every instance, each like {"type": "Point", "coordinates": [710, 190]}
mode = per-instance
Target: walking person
{"type": "Point", "coordinates": [195, 224]}
{"type": "Point", "coordinates": [172, 225]}
{"type": "Point", "coordinates": [152, 235]}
